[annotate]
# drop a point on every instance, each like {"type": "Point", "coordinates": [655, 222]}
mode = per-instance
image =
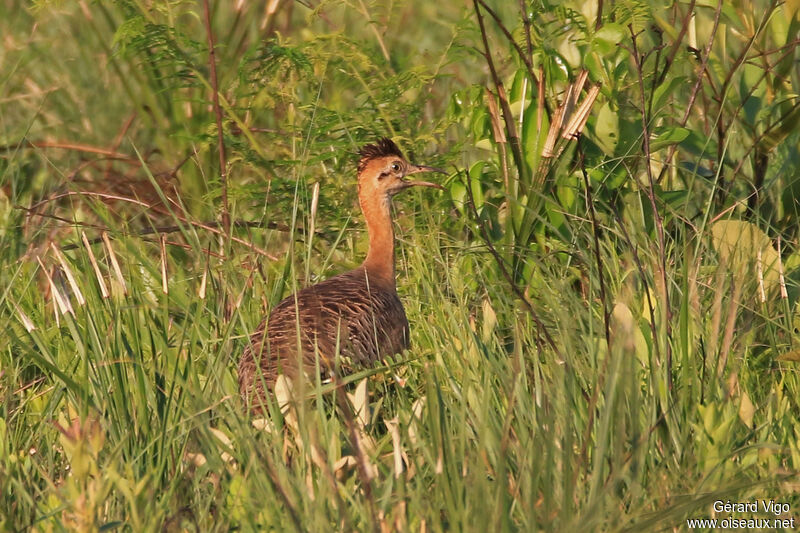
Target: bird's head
{"type": "Point", "coordinates": [383, 171]}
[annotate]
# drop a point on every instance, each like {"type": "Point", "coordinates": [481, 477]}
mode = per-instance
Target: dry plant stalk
{"type": "Point", "coordinates": [223, 162]}
{"type": "Point", "coordinates": [570, 117]}
{"type": "Point", "coordinates": [73, 284]}
{"type": "Point", "coordinates": [114, 263]}
{"type": "Point", "coordinates": [95, 266]}
{"type": "Point", "coordinates": [61, 301]}
{"type": "Point", "coordinates": [163, 245]}
{"type": "Point", "coordinates": [494, 115]}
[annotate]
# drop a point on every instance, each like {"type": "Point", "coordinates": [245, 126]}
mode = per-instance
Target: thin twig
{"type": "Point", "coordinates": [755, 85]}
{"type": "Point", "coordinates": [598, 23]}
{"type": "Point", "coordinates": [508, 118]}
{"type": "Point", "coordinates": [223, 164]}
{"type": "Point", "coordinates": [87, 193]}
{"type": "Point", "coordinates": [118, 141]}
{"type": "Point", "coordinates": [789, 45]}
{"type": "Point", "coordinates": [504, 271]}
{"type": "Point", "coordinates": [526, 24]}
{"type": "Point", "coordinates": [763, 134]}
{"type": "Point", "coordinates": [747, 47]}
{"type": "Point", "coordinates": [603, 299]}
{"type": "Point", "coordinates": [651, 194]}
{"type": "Point", "coordinates": [76, 147]}
{"type": "Point", "coordinates": [677, 44]}
{"type": "Point", "coordinates": [374, 27]}
{"type": "Point", "coordinates": [596, 234]}
{"type": "Point", "coordinates": [640, 268]}
{"type": "Point", "coordinates": [526, 58]}
{"type": "Point", "coordinates": [723, 186]}
{"type": "Point", "coordinates": [32, 212]}
{"type": "Point", "coordinates": [208, 226]}
{"type": "Point", "coordinates": [696, 87]}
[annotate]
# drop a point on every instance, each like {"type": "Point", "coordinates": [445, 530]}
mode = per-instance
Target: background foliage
{"type": "Point", "coordinates": [603, 325]}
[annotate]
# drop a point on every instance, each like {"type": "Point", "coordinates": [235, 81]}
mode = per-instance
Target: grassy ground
{"type": "Point", "coordinates": [597, 344]}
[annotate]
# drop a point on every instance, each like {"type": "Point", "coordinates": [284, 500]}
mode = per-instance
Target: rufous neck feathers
{"type": "Point", "coordinates": [379, 263]}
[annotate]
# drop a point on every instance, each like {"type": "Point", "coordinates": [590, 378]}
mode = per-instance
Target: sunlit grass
{"type": "Point", "coordinates": [137, 398]}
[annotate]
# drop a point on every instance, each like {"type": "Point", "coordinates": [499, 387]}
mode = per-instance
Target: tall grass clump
{"type": "Point", "coordinates": [601, 302]}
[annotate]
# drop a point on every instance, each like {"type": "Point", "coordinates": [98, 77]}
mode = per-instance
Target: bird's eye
{"type": "Point", "coordinates": [395, 167]}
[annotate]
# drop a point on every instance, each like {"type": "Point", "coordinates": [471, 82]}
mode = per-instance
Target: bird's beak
{"type": "Point", "coordinates": [415, 169]}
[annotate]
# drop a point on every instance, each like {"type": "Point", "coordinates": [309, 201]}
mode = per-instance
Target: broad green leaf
{"type": "Point", "coordinates": [458, 194]}
{"type": "Point", "coordinates": [668, 137]}
{"type": "Point", "coordinates": [746, 410]}
{"type": "Point", "coordinates": [788, 123]}
{"type": "Point", "coordinates": [595, 65]}
{"type": "Point", "coordinates": [555, 214]}
{"type": "Point", "coordinates": [721, 433]}
{"type": "Point", "coordinates": [665, 90]}
{"type": "Point", "coordinates": [533, 136]}
{"type": "Point", "coordinates": [745, 249]}
{"type": "Point", "coordinates": [699, 145]}
{"type": "Point", "coordinates": [566, 188]}
{"type": "Point", "coordinates": [666, 26]}
{"type": "Point", "coordinates": [792, 9]}
{"type": "Point", "coordinates": [568, 52]}
{"type": "Point", "coordinates": [751, 93]}
{"type": "Point", "coordinates": [610, 32]}
{"type": "Point", "coordinates": [607, 129]}
{"type": "Point", "coordinates": [674, 199]}
{"type": "Point", "coordinates": [566, 197]}
{"type": "Point", "coordinates": [475, 173]}
{"type": "Point", "coordinates": [608, 179]}
{"type": "Point", "coordinates": [517, 84]}
{"type": "Point", "coordinates": [708, 413]}
{"type": "Point", "coordinates": [695, 168]}
{"type": "Point", "coordinates": [480, 123]}
{"type": "Point", "coordinates": [606, 39]}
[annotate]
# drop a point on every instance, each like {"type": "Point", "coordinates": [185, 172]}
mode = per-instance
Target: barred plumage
{"type": "Point", "coordinates": [356, 315]}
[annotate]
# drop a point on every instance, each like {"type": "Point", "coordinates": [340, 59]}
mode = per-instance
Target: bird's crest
{"type": "Point", "coordinates": [384, 147]}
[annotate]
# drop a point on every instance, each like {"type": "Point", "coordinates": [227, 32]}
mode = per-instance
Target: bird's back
{"type": "Point", "coordinates": [352, 315]}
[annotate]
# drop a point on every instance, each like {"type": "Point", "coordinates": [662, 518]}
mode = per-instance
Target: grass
{"type": "Point", "coordinates": [669, 378]}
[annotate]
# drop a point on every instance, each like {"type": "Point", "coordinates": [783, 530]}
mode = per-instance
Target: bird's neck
{"type": "Point", "coordinates": [379, 263]}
